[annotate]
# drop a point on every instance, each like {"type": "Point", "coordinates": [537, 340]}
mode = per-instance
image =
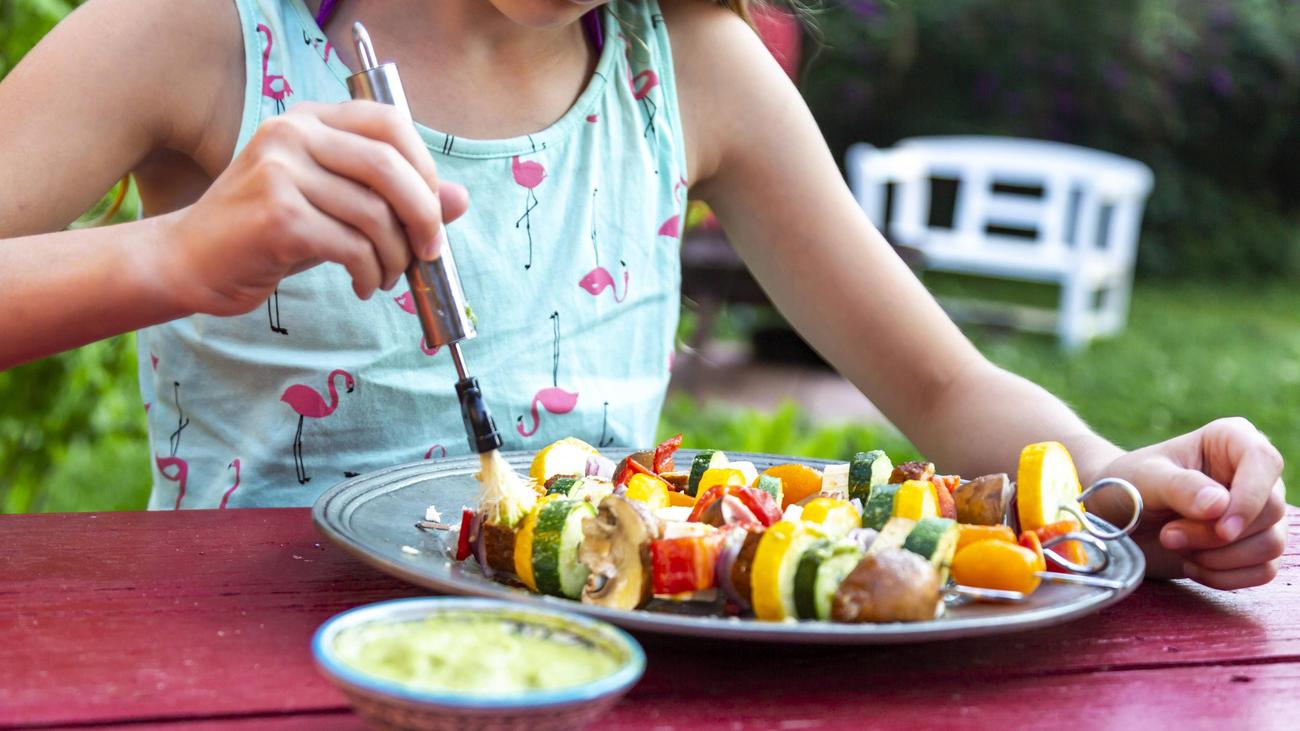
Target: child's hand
{"type": "Point", "coordinates": [350, 183]}
{"type": "Point", "coordinates": [1224, 537]}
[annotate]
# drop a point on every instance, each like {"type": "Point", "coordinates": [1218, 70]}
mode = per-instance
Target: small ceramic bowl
{"type": "Point", "coordinates": [388, 704]}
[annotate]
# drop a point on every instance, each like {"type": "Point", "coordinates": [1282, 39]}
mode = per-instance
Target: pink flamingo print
{"type": "Point", "coordinates": [442, 451]}
{"type": "Point", "coordinates": [554, 399]}
{"type": "Point", "coordinates": [599, 279]}
{"type": "Point", "coordinates": [179, 475]}
{"type": "Point", "coordinates": [153, 360]}
{"type": "Point", "coordinates": [269, 89]}
{"type": "Point", "coordinates": [672, 227]}
{"type": "Point", "coordinates": [642, 84]}
{"type": "Point", "coordinates": [529, 174]}
{"type": "Point", "coordinates": [181, 421]}
{"type": "Point", "coordinates": [226, 497]}
{"type": "Point", "coordinates": [408, 305]}
{"type": "Point", "coordinates": [316, 43]}
{"type": "Point", "coordinates": [308, 403]}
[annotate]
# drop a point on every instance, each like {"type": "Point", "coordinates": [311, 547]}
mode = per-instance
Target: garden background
{"type": "Point", "coordinates": [1206, 92]}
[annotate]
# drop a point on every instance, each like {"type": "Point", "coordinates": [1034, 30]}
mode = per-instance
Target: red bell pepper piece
{"type": "Point", "coordinates": [710, 496]}
{"type": "Point", "coordinates": [463, 550]}
{"type": "Point", "coordinates": [631, 467]}
{"type": "Point", "coordinates": [761, 504]}
{"type": "Point", "coordinates": [663, 460]}
{"type": "Point", "coordinates": [684, 565]}
{"type": "Point", "coordinates": [943, 487]}
{"type": "Point", "coordinates": [1071, 550]}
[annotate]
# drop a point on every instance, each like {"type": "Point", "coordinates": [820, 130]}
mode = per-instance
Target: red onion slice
{"type": "Point", "coordinates": [731, 545]}
{"type": "Point", "coordinates": [864, 537]}
{"type": "Point", "coordinates": [478, 545]}
{"type": "Point", "coordinates": [600, 466]}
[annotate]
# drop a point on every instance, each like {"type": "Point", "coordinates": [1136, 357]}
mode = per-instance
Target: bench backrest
{"type": "Point", "coordinates": [1014, 198]}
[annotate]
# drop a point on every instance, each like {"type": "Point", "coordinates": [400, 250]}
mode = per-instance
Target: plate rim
{"type": "Point", "coordinates": [712, 627]}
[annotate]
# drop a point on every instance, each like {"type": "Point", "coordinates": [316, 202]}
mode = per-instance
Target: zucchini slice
{"type": "Point", "coordinates": [867, 470]}
{"type": "Point", "coordinates": [556, 539]}
{"type": "Point", "coordinates": [893, 535]}
{"type": "Point", "coordinates": [935, 539]}
{"type": "Point", "coordinates": [879, 507]}
{"type": "Point", "coordinates": [707, 459]}
{"type": "Point", "coordinates": [820, 571]}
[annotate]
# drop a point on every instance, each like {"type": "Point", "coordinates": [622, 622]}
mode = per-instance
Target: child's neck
{"type": "Point", "coordinates": [468, 69]}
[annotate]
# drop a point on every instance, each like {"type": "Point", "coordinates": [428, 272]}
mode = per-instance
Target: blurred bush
{"type": "Point", "coordinates": [1206, 92]}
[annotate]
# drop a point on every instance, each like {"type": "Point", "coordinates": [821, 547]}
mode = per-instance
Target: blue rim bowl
{"type": "Point", "coordinates": [598, 694]}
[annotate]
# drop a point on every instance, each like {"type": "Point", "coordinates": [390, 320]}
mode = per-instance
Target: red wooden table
{"type": "Point", "coordinates": [201, 620]}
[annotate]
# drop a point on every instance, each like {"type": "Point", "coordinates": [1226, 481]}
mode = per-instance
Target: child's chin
{"type": "Point", "coordinates": [545, 13]}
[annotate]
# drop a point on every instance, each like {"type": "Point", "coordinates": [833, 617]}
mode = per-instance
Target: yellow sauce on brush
{"type": "Point", "coordinates": [470, 653]}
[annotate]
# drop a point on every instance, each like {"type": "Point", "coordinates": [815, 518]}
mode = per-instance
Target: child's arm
{"type": "Point", "coordinates": [121, 81]}
{"type": "Point", "coordinates": [758, 159]}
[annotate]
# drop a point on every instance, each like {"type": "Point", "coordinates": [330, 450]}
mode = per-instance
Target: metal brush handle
{"type": "Point", "coordinates": [435, 285]}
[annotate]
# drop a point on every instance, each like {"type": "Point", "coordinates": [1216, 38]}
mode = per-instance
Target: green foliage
{"type": "Point", "coordinates": [1206, 92]}
{"type": "Point", "coordinates": [24, 22]}
{"type": "Point", "coordinates": [785, 431]}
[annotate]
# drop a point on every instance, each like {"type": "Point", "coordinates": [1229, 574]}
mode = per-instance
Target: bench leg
{"type": "Point", "coordinates": [1073, 321]}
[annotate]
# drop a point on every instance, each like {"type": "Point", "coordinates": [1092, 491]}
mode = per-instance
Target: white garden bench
{"type": "Point", "coordinates": [1027, 210]}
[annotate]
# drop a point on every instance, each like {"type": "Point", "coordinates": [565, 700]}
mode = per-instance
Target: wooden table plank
{"type": "Point", "coordinates": [158, 616]}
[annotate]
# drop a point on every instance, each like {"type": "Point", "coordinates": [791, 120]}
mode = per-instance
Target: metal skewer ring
{"type": "Point", "coordinates": [1093, 527]}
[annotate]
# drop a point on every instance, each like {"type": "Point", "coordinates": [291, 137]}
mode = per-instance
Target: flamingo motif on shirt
{"type": "Point", "coordinates": [529, 174]}
{"type": "Point", "coordinates": [599, 279]}
{"type": "Point", "coordinates": [171, 467]}
{"type": "Point", "coordinates": [441, 450]}
{"type": "Point", "coordinates": [316, 42]}
{"type": "Point", "coordinates": [407, 303]}
{"type": "Point", "coordinates": [225, 498]}
{"type": "Point", "coordinates": [309, 404]}
{"type": "Point", "coordinates": [672, 227]}
{"type": "Point", "coordinates": [641, 85]}
{"type": "Point", "coordinates": [604, 426]}
{"type": "Point", "coordinates": [554, 399]}
{"type": "Point", "coordinates": [274, 86]}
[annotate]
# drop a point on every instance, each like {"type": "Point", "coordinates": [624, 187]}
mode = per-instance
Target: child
{"type": "Point", "coordinates": [579, 129]}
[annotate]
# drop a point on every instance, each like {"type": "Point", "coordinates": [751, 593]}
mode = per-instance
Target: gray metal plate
{"type": "Point", "coordinates": [373, 516]}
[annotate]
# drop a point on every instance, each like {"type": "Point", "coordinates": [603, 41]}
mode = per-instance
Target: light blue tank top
{"type": "Point", "coordinates": [569, 259]}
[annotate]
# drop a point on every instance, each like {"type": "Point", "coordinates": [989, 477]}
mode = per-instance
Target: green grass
{"type": "Point", "coordinates": [1191, 353]}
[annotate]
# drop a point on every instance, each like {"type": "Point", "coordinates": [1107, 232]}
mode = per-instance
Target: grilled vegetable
{"type": "Point", "coordinates": [662, 460]}
{"type": "Point", "coordinates": [934, 539]}
{"type": "Point", "coordinates": [616, 551]}
{"type": "Point", "coordinates": [498, 547]}
{"type": "Point", "coordinates": [916, 500]}
{"type": "Point", "coordinates": [556, 538]}
{"type": "Point", "coordinates": [818, 576]}
{"type": "Point", "coordinates": [561, 484]}
{"type": "Point", "coordinates": [684, 565]}
{"type": "Point", "coordinates": [742, 568]}
{"type": "Point", "coordinates": [466, 535]}
{"type": "Point", "coordinates": [720, 476]}
{"type": "Point", "coordinates": [648, 489]}
{"type": "Point", "coordinates": [867, 470]}
{"type": "Point", "coordinates": [836, 517]}
{"type": "Point", "coordinates": [835, 481]}
{"type": "Point", "coordinates": [775, 563]}
{"type": "Point", "coordinates": [798, 481]}
{"type": "Point", "coordinates": [890, 586]}
{"type": "Point", "coordinates": [567, 456]}
{"type": "Point", "coordinates": [524, 550]}
{"type": "Point", "coordinates": [591, 489]}
{"type": "Point", "coordinates": [1045, 482]}
{"type": "Point", "coordinates": [968, 534]}
{"type": "Point", "coordinates": [893, 535]}
{"type": "Point", "coordinates": [1029, 539]}
{"type": "Point", "coordinates": [771, 485]}
{"type": "Point", "coordinates": [879, 507]}
{"type": "Point", "coordinates": [705, 460]}
{"type": "Point", "coordinates": [984, 500]}
{"type": "Point", "coordinates": [1069, 550]}
{"type": "Point", "coordinates": [760, 504]}
{"type": "Point", "coordinates": [943, 487]}
{"type": "Point", "coordinates": [996, 565]}
{"type": "Point", "coordinates": [728, 510]}
{"type": "Point", "coordinates": [676, 480]}
{"type": "Point", "coordinates": [911, 471]}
